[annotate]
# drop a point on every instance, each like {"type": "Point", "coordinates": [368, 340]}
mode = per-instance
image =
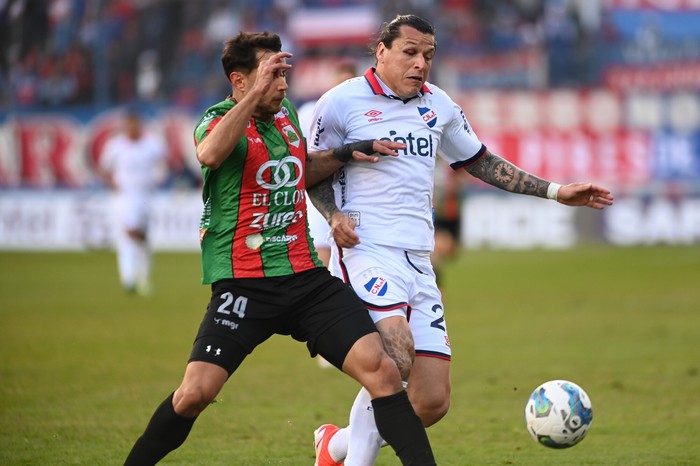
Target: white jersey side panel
{"type": "Point", "coordinates": [391, 201]}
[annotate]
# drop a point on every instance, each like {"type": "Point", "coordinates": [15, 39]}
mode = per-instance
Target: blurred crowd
{"type": "Point", "coordinates": [58, 53]}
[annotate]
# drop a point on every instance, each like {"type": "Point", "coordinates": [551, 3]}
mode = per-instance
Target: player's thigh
{"type": "Point", "coordinates": [330, 317]}
{"type": "Point", "coordinates": [398, 342]}
{"type": "Point", "coordinates": [367, 363]}
{"type": "Point", "coordinates": [430, 378]}
{"type": "Point", "coordinates": [241, 315]}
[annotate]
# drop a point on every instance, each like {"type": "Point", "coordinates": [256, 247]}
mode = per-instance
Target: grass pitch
{"type": "Point", "coordinates": [83, 366]}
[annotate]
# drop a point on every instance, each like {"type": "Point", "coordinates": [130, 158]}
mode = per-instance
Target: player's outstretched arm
{"type": "Point", "coordinates": [321, 164]}
{"type": "Point", "coordinates": [502, 174]}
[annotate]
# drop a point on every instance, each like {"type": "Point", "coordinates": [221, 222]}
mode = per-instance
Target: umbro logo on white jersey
{"type": "Point", "coordinates": [373, 115]}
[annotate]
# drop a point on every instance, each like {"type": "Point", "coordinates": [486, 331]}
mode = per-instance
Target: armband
{"type": "Point", "coordinates": [344, 152]}
{"type": "Point", "coordinates": [553, 191]}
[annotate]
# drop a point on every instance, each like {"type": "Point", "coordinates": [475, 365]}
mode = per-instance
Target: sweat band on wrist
{"type": "Point", "coordinates": [553, 190]}
{"type": "Point", "coordinates": [344, 152]}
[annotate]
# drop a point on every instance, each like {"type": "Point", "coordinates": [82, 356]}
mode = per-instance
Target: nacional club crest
{"type": "Point", "coordinates": [377, 286]}
{"type": "Point", "coordinates": [428, 115]}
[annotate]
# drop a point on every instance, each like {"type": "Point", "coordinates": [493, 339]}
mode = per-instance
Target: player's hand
{"type": "Point", "coordinates": [269, 70]}
{"type": "Point", "coordinates": [379, 147]}
{"type": "Point", "coordinates": [343, 229]}
{"type": "Point", "coordinates": [367, 150]}
{"type": "Point", "coordinates": [585, 194]}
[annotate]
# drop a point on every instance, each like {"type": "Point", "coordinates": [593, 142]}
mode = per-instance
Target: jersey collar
{"type": "Point", "coordinates": [379, 88]}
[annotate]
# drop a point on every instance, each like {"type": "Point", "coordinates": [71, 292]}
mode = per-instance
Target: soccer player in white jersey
{"type": "Point", "coordinates": [384, 228]}
{"type": "Point", "coordinates": [133, 164]}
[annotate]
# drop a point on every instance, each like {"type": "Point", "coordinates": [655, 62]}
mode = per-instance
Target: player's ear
{"type": "Point", "coordinates": [379, 52]}
{"type": "Point", "coordinates": [238, 81]}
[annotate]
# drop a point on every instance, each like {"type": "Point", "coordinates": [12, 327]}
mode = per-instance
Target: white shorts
{"type": "Point", "coordinates": [132, 211]}
{"type": "Point", "coordinates": [318, 226]}
{"type": "Point", "coordinates": [396, 282]}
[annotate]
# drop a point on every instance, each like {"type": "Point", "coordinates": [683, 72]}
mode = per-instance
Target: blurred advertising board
{"type": "Point", "coordinates": [643, 146]}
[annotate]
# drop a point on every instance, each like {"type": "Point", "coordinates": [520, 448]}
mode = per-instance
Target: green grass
{"type": "Point", "coordinates": [82, 366]}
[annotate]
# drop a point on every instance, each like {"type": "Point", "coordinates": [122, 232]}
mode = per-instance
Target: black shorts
{"type": "Point", "coordinates": [312, 306]}
{"type": "Point", "coordinates": [452, 225]}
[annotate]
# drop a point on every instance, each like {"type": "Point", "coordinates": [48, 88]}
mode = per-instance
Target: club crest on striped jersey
{"type": "Point", "coordinates": [292, 135]}
{"type": "Point", "coordinates": [428, 115]}
{"type": "Point", "coordinates": [377, 286]}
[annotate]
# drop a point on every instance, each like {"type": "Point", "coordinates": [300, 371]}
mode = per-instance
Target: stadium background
{"type": "Point", "coordinates": [601, 90]}
{"type": "Point", "coordinates": [612, 95]}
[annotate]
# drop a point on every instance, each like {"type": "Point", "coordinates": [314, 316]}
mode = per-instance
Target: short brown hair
{"type": "Point", "coordinates": [240, 51]}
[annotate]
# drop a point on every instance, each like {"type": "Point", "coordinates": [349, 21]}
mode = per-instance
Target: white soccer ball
{"type": "Point", "coordinates": [558, 414]}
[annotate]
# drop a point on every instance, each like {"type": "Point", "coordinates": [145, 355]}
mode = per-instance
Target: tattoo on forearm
{"type": "Point", "coordinates": [400, 347]}
{"type": "Point", "coordinates": [502, 174]}
{"type": "Point", "coordinates": [323, 198]}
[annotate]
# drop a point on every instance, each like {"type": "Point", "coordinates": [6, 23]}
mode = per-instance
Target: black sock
{"type": "Point", "coordinates": [401, 427]}
{"type": "Point", "coordinates": [166, 431]}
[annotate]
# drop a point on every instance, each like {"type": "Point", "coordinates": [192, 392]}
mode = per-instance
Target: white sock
{"type": "Point", "coordinates": [364, 440]}
{"type": "Point", "coordinates": [143, 266]}
{"type": "Point", "coordinates": [338, 445]}
{"type": "Point", "coordinates": [127, 253]}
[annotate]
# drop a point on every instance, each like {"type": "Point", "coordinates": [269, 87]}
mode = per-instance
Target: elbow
{"type": "Point", "coordinates": [207, 159]}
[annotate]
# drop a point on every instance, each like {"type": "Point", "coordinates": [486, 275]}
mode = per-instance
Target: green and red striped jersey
{"type": "Point", "coordinates": [254, 219]}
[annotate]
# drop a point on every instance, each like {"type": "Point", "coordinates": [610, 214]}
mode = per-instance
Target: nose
{"type": "Point", "coordinates": [282, 83]}
{"type": "Point", "coordinates": [420, 62]}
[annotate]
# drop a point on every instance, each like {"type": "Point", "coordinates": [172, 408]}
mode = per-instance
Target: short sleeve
{"type": "Point", "coordinates": [327, 124]}
{"type": "Point", "coordinates": [460, 146]}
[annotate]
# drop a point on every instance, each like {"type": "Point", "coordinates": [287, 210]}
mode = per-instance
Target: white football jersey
{"type": "Point", "coordinates": [137, 166]}
{"type": "Point", "coordinates": [392, 201]}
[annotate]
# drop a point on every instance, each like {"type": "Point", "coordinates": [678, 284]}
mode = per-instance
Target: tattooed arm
{"type": "Point", "coordinates": [502, 174]}
{"type": "Point", "coordinates": [323, 198]}
{"type": "Point", "coordinates": [342, 226]}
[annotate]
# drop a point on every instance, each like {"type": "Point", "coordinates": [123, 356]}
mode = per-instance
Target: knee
{"type": "Point", "coordinates": [386, 379]}
{"type": "Point", "coordinates": [431, 407]}
{"type": "Point", "coordinates": [190, 401]}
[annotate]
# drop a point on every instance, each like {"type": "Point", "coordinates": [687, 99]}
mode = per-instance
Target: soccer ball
{"type": "Point", "coordinates": [558, 414]}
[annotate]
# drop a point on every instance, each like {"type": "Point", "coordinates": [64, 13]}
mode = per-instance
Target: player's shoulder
{"type": "Point", "coordinates": [214, 112]}
{"type": "Point", "coordinates": [346, 91]}
{"type": "Point", "coordinates": [217, 110]}
{"type": "Point", "coordinates": [438, 94]}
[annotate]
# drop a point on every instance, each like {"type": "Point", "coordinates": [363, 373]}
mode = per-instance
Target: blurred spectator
{"type": "Point", "coordinates": [75, 52]}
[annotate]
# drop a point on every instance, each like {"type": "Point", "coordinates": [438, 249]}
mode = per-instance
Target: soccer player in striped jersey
{"type": "Point", "coordinates": [258, 257]}
{"type": "Point", "coordinates": [385, 232]}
